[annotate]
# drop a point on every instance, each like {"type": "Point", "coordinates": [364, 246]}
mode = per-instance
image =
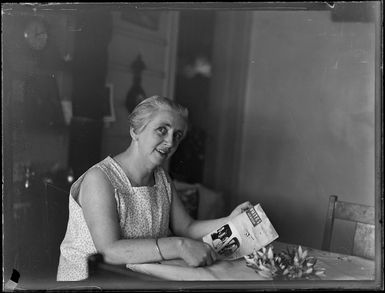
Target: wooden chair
{"type": "Point", "coordinates": [362, 215]}
{"type": "Point", "coordinates": [189, 195]}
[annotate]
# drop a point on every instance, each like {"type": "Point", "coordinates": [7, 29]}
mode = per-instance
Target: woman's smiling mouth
{"type": "Point", "coordinates": [163, 152]}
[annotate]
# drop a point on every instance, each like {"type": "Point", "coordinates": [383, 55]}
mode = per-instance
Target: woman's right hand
{"type": "Point", "coordinates": [196, 253]}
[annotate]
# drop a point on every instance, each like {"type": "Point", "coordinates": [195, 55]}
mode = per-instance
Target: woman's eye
{"type": "Point", "coordinates": [178, 135]}
{"type": "Point", "coordinates": [162, 130]}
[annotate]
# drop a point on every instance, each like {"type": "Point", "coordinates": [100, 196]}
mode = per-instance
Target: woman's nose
{"type": "Point", "coordinates": [169, 139]}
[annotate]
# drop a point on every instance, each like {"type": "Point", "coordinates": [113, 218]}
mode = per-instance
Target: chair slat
{"type": "Point", "coordinates": [354, 212]}
{"type": "Point", "coordinates": [364, 241]}
{"type": "Point", "coordinates": [329, 223]}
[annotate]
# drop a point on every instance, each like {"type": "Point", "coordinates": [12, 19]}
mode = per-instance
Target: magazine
{"type": "Point", "coordinates": [241, 235]}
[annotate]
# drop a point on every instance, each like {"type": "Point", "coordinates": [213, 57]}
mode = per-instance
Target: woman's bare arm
{"type": "Point", "coordinates": [184, 225]}
{"type": "Point", "coordinates": [100, 212]}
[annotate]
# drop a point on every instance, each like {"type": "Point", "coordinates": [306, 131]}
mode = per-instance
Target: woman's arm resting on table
{"type": "Point", "coordinates": [183, 225]}
{"type": "Point", "coordinates": [196, 252]}
{"type": "Point", "coordinates": [99, 208]}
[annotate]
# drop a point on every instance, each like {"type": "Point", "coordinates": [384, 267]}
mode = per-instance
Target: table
{"type": "Point", "coordinates": [342, 271]}
{"type": "Point", "coordinates": [337, 267]}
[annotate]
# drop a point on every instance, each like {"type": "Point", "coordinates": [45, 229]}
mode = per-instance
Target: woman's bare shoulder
{"type": "Point", "coordinates": [96, 185]}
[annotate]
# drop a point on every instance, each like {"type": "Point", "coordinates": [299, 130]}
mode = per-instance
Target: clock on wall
{"type": "Point", "coordinates": [36, 34]}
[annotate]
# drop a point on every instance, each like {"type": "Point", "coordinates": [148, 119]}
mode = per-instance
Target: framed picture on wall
{"type": "Point", "coordinates": [146, 19]}
{"type": "Point", "coordinates": [109, 114]}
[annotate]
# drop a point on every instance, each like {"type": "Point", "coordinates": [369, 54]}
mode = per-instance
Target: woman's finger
{"type": "Point", "coordinates": [210, 260]}
{"type": "Point", "coordinates": [213, 256]}
{"type": "Point", "coordinates": [245, 206]}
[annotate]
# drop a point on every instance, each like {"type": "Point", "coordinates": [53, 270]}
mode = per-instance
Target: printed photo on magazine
{"type": "Point", "coordinates": [250, 230]}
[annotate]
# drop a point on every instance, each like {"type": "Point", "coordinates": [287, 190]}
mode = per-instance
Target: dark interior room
{"type": "Point", "coordinates": [284, 103]}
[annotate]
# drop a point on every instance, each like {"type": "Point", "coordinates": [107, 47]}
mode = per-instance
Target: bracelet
{"type": "Point", "coordinates": [157, 247]}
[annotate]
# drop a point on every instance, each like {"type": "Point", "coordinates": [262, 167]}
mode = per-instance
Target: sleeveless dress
{"type": "Point", "coordinates": [143, 213]}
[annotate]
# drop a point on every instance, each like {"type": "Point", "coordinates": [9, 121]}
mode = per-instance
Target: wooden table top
{"type": "Point", "coordinates": [337, 267]}
{"type": "Point", "coordinates": [341, 271]}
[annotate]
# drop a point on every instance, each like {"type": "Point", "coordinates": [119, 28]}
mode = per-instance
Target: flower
{"type": "Point", "coordinates": [287, 265]}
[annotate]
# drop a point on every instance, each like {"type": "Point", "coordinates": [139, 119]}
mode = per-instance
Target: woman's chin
{"type": "Point", "coordinates": [159, 159]}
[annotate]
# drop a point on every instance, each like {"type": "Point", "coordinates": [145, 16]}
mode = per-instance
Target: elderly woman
{"type": "Point", "coordinates": [127, 208]}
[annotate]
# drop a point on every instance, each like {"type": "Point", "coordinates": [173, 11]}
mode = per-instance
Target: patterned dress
{"type": "Point", "coordinates": [143, 213]}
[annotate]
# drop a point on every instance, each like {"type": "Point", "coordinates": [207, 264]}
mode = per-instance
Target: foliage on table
{"type": "Point", "coordinates": [292, 264]}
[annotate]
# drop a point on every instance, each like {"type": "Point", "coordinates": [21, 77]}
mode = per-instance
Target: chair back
{"type": "Point", "coordinates": [190, 199]}
{"type": "Point", "coordinates": [362, 215]}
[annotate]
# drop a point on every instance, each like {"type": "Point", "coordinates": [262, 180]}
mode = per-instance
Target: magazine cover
{"type": "Point", "coordinates": [239, 237]}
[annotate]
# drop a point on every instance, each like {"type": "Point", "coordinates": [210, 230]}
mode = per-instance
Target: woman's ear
{"type": "Point", "coordinates": [133, 134]}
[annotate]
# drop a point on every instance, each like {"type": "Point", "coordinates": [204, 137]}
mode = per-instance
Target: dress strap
{"type": "Point", "coordinates": [162, 176]}
{"type": "Point", "coordinates": [115, 174]}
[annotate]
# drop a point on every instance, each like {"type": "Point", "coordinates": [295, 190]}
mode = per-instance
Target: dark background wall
{"type": "Point", "coordinates": [41, 148]}
{"type": "Point", "coordinates": [192, 90]}
{"type": "Point", "coordinates": [89, 65]}
{"type": "Point", "coordinates": [35, 131]}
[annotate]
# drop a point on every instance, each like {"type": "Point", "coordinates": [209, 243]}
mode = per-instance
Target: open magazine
{"type": "Point", "coordinates": [241, 235]}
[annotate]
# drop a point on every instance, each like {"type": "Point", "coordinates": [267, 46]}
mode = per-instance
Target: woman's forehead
{"type": "Point", "coordinates": [169, 117]}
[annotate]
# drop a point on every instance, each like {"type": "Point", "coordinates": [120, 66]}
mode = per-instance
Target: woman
{"type": "Point", "coordinates": [127, 208]}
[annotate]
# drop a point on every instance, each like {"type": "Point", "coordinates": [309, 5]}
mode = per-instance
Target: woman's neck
{"type": "Point", "coordinates": [138, 173]}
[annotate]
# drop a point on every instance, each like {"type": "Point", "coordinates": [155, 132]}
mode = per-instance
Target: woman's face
{"type": "Point", "coordinates": [160, 138]}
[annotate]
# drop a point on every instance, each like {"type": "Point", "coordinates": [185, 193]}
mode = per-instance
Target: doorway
{"type": "Point", "coordinates": [192, 90]}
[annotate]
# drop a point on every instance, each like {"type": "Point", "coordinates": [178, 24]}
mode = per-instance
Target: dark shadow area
{"type": "Point", "coordinates": [192, 89]}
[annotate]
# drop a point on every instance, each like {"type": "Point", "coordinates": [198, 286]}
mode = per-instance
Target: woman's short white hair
{"type": "Point", "coordinates": [145, 110]}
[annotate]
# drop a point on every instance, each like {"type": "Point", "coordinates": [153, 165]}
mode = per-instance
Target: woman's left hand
{"type": "Point", "coordinates": [240, 209]}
